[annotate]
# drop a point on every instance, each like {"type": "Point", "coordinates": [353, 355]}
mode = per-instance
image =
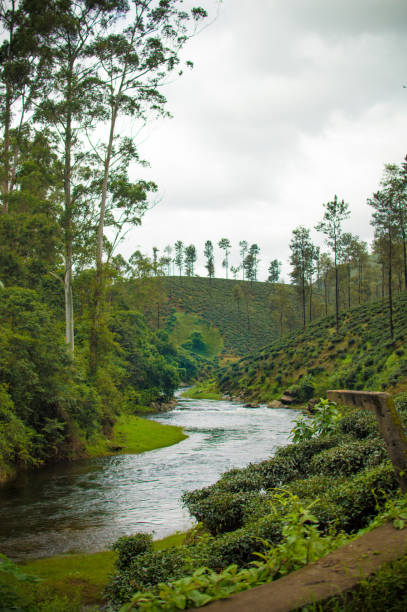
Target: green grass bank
{"type": "Point", "coordinates": [67, 583]}
{"type": "Point", "coordinates": [134, 434]}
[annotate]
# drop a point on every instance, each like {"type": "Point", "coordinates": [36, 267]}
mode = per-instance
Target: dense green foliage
{"type": "Point", "coordinates": [344, 475]}
{"type": "Point", "coordinates": [75, 350]}
{"type": "Point", "coordinates": [360, 356]}
{"type": "Point", "coordinates": [49, 406]}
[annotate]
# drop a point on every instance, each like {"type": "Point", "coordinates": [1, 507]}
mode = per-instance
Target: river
{"type": "Point", "coordinates": [87, 505]}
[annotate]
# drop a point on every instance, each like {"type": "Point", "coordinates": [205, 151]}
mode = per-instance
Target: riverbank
{"type": "Point", "coordinates": [131, 434]}
{"type": "Point", "coordinates": [203, 390]}
{"type": "Point", "coordinates": [69, 583]}
{"type": "Point", "coordinates": [134, 434]}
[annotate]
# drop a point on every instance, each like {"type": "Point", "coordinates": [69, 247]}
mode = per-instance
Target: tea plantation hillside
{"type": "Point", "coordinates": [361, 355]}
{"type": "Point", "coordinates": [240, 310]}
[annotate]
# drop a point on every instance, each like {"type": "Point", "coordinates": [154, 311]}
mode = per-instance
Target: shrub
{"type": "Point", "coordinates": [313, 487]}
{"type": "Point", "coordinates": [147, 570]}
{"type": "Point", "coordinates": [238, 480]}
{"type": "Point", "coordinates": [302, 453]}
{"type": "Point", "coordinates": [349, 458]}
{"type": "Point", "coordinates": [129, 547]}
{"type": "Point", "coordinates": [277, 471]}
{"type": "Point", "coordinates": [351, 505]}
{"type": "Point", "coordinates": [324, 420]}
{"type": "Point", "coordinates": [304, 390]}
{"type": "Point", "coordinates": [360, 424]}
{"type": "Point", "coordinates": [222, 511]}
{"type": "Point", "coordinates": [400, 401]}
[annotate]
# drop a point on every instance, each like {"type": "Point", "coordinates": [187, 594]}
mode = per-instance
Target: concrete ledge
{"type": "Point", "coordinates": [335, 573]}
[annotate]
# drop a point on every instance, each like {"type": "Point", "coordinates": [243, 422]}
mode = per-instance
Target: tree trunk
{"type": "Point", "coordinates": [326, 293]}
{"type": "Point", "coordinates": [97, 306]}
{"type": "Point", "coordinates": [6, 149]}
{"type": "Point", "coordinates": [69, 313]}
{"type": "Point", "coordinates": [403, 233]}
{"type": "Point", "coordinates": [359, 281]}
{"type": "Point", "coordinates": [390, 287]}
{"type": "Point", "coordinates": [304, 322]}
{"type": "Point", "coordinates": [336, 291]}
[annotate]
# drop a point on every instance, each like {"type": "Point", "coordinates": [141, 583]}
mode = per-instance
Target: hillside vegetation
{"type": "Point", "coordinates": [360, 355]}
{"type": "Point", "coordinates": [239, 310]}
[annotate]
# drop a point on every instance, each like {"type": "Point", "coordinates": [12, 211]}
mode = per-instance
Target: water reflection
{"type": "Point", "coordinates": [88, 504]}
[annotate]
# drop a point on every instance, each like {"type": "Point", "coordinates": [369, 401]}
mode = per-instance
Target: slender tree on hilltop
{"type": "Point", "coordinates": [235, 271]}
{"type": "Point", "coordinates": [384, 221]}
{"type": "Point", "coordinates": [359, 260]}
{"type": "Point", "coordinates": [347, 244]}
{"type": "Point", "coordinates": [274, 271]}
{"type": "Point", "coordinates": [168, 252]}
{"type": "Point", "coordinates": [336, 211]}
{"type": "Point", "coordinates": [224, 244]}
{"type": "Point", "coordinates": [395, 185]}
{"type": "Point", "coordinates": [210, 265]}
{"type": "Point", "coordinates": [155, 260]}
{"type": "Point", "coordinates": [244, 247]}
{"type": "Point", "coordinates": [249, 266]}
{"type": "Point", "coordinates": [311, 269]}
{"type": "Point", "coordinates": [301, 259]}
{"type": "Point", "coordinates": [254, 252]}
{"type": "Point", "coordinates": [325, 267]}
{"type": "Point", "coordinates": [190, 259]}
{"type": "Point", "coordinates": [179, 255]}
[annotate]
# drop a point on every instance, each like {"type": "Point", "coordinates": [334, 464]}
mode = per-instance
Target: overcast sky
{"type": "Point", "coordinates": [289, 103]}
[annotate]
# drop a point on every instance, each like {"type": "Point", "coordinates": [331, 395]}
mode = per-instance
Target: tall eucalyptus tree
{"type": "Point", "coordinates": [224, 244]}
{"type": "Point", "coordinates": [301, 259]}
{"type": "Point", "coordinates": [73, 104]}
{"type": "Point", "coordinates": [133, 65]}
{"type": "Point", "coordinates": [384, 221]}
{"type": "Point", "coordinates": [336, 211]}
{"type": "Point", "coordinates": [24, 58]}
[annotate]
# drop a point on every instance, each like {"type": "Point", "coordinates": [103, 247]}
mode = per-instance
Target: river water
{"type": "Point", "coordinates": [87, 505]}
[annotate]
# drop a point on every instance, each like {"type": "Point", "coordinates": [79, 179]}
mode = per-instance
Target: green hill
{"type": "Point", "coordinates": [238, 310]}
{"type": "Point", "coordinates": [361, 355]}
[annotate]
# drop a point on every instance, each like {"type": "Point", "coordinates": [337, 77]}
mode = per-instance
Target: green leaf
{"type": "Point", "coordinates": [199, 599]}
{"type": "Point", "coordinates": [180, 601]}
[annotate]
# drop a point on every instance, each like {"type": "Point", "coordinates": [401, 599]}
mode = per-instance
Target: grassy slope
{"type": "Point", "coordinates": [244, 326]}
{"type": "Point", "coordinates": [360, 356]}
{"type": "Point", "coordinates": [132, 434]}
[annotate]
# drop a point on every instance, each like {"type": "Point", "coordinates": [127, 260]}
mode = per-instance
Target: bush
{"type": "Point", "coordinates": [347, 505]}
{"type": "Point", "coordinates": [313, 487]}
{"type": "Point", "coordinates": [349, 458]}
{"type": "Point", "coordinates": [222, 511]}
{"type": "Point", "coordinates": [301, 454]}
{"type": "Point", "coordinates": [129, 547]}
{"type": "Point", "coordinates": [145, 571]}
{"type": "Point", "coordinates": [360, 424]}
{"type": "Point", "coordinates": [350, 505]}
{"type": "Point", "coordinates": [400, 401]}
{"type": "Point", "coordinates": [323, 423]}
{"type": "Point", "coordinates": [238, 480]}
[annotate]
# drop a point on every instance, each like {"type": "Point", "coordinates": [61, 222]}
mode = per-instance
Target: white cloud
{"type": "Point", "coordinates": [288, 104]}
